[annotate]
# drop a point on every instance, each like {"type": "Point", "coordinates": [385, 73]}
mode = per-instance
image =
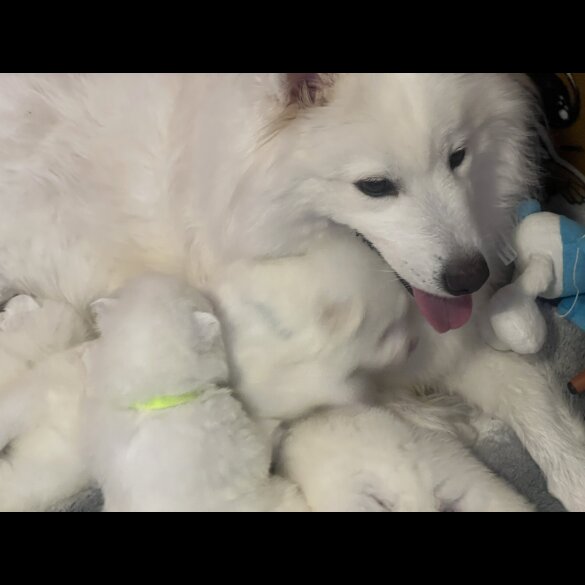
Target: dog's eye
{"type": "Point", "coordinates": [457, 158]}
{"type": "Point", "coordinates": [378, 187]}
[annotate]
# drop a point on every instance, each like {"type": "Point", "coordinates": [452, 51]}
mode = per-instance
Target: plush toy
{"type": "Point", "coordinates": [550, 264]}
{"type": "Point", "coordinates": [550, 247]}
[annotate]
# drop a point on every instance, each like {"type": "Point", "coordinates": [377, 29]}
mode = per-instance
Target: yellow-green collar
{"type": "Point", "coordinates": [167, 401]}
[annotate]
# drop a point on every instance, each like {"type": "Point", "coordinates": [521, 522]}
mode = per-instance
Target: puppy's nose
{"type": "Point", "coordinates": [466, 275]}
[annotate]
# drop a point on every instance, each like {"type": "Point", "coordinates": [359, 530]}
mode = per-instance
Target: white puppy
{"type": "Point", "coordinates": [163, 431]}
{"type": "Point", "coordinates": [41, 384]}
{"type": "Point", "coordinates": [303, 332]}
{"type": "Point", "coordinates": [300, 343]}
{"type": "Point", "coordinates": [373, 459]}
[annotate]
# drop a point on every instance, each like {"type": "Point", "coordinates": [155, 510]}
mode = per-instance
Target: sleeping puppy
{"type": "Point", "coordinates": [304, 331]}
{"type": "Point", "coordinates": [41, 386]}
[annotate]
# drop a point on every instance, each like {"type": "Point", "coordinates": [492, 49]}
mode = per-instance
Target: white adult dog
{"type": "Point", "coordinates": [105, 176]}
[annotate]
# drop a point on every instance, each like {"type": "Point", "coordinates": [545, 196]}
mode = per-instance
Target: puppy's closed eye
{"type": "Point", "coordinates": [341, 317]}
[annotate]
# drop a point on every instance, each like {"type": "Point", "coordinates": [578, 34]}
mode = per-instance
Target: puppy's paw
{"type": "Point", "coordinates": [356, 498]}
{"type": "Point", "coordinates": [352, 493]}
{"type": "Point", "coordinates": [496, 500]}
{"type": "Point", "coordinates": [376, 498]}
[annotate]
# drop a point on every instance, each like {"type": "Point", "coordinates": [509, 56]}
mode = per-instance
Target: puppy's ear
{"type": "Point", "coordinates": [341, 319]}
{"type": "Point", "coordinates": [15, 309]}
{"type": "Point", "coordinates": [208, 329]}
{"type": "Point", "coordinates": [308, 89]}
{"type": "Point", "coordinates": [101, 306]}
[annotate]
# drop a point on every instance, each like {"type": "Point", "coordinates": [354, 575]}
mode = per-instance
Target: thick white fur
{"type": "Point", "coordinates": [300, 343]}
{"type": "Point", "coordinates": [106, 176]}
{"type": "Point", "coordinates": [41, 385]}
{"type": "Point", "coordinates": [158, 338]}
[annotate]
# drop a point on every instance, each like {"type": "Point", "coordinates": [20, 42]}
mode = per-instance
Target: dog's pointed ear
{"type": "Point", "coordinates": [308, 89]}
{"type": "Point", "coordinates": [100, 306]}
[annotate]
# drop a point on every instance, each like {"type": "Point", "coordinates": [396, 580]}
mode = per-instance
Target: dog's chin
{"type": "Point", "coordinates": [442, 313]}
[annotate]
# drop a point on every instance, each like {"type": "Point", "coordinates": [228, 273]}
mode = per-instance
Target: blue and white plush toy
{"type": "Point", "coordinates": [550, 264]}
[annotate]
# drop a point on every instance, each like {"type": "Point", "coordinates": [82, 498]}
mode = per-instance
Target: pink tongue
{"type": "Point", "coordinates": [444, 314]}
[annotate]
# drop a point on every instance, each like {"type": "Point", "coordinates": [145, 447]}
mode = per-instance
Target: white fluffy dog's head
{"type": "Point", "coordinates": [298, 329]}
{"type": "Point", "coordinates": [427, 166]}
{"type": "Point", "coordinates": [158, 336]}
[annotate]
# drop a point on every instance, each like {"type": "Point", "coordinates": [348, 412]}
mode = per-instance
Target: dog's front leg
{"type": "Point", "coordinates": [509, 387]}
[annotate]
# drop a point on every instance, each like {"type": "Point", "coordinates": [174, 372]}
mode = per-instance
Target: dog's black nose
{"type": "Point", "coordinates": [466, 275]}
